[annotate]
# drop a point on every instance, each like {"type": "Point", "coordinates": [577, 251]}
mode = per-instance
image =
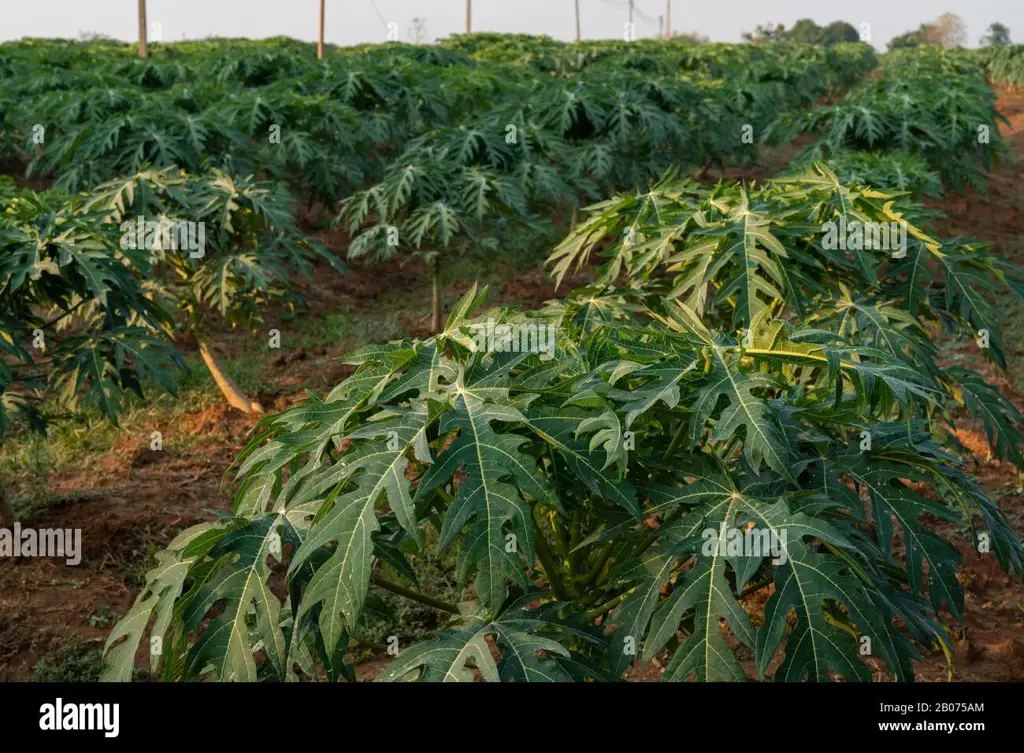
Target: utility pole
{"type": "Point", "coordinates": [668, 19]}
{"type": "Point", "coordinates": [143, 51]}
{"type": "Point", "coordinates": [469, 16]}
{"type": "Point", "coordinates": [661, 27]}
{"type": "Point", "coordinates": [577, 20]}
{"type": "Point", "coordinates": [320, 43]}
{"type": "Point", "coordinates": [630, 12]}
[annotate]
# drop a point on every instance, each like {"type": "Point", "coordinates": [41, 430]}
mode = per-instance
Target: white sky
{"type": "Point", "coordinates": [355, 21]}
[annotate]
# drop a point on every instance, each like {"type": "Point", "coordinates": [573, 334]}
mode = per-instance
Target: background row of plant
{"type": "Point", "coordinates": [427, 149]}
{"type": "Point", "coordinates": [927, 121]}
{"type": "Point", "coordinates": [88, 113]}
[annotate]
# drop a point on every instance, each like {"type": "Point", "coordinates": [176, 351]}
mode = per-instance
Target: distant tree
{"type": "Point", "coordinates": [691, 37]}
{"type": "Point", "coordinates": [950, 30]}
{"type": "Point", "coordinates": [912, 38]}
{"type": "Point", "coordinates": [805, 31]}
{"type": "Point", "coordinates": [765, 33]}
{"type": "Point", "coordinates": [998, 36]}
{"type": "Point", "coordinates": [838, 32]}
{"type": "Point", "coordinates": [418, 30]}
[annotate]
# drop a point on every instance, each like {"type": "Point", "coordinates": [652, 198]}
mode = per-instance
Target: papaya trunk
{"type": "Point", "coordinates": [435, 287]}
{"type": "Point", "coordinates": [235, 397]}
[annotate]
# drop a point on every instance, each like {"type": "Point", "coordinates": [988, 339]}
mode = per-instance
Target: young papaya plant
{"type": "Point", "coordinates": [892, 172]}
{"type": "Point", "coordinates": [219, 246]}
{"type": "Point", "coordinates": [730, 253]}
{"type": "Point", "coordinates": [77, 330]}
{"type": "Point", "coordinates": [949, 120]}
{"type": "Point", "coordinates": [595, 491]}
{"type": "Point", "coordinates": [453, 190]}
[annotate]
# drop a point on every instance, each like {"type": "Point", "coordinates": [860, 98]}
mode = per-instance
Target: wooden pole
{"type": "Point", "coordinates": [577, 20]}
{"type": "Point", "coordinates": [143, 50]}
{"type": "Point", "coordinates": [469, 16]}
{"type": "Point", "coordinates": [668, 19]}
{"type": "Point", "coordinates": [320, 43]}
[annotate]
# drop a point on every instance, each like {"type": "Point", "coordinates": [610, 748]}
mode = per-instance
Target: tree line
{"type": "Point", "coordinates": [948, 30]}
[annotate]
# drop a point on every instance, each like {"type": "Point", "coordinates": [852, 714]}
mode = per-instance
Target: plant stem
{"type": "Point", "coordinates": [608, 606]}
{"type": "Point", "coordinates": [379, 648]}
{"type": "Point", "coordinates": [235, 397]}
{"type": "Point", "coordinates": [598, 564]}
{"type": "Point", "coordinates": [604, 572]}
{"type": "Point", "coordinates": [587, 599]}
{"type": "Point", "coordinates": [653, 536]}
{"type": "Point", "coordinates": [408, 593]}
{"type": "Point", "coordinates": [547, 562]}
{"type": "Point", "coordinates": [676, 439]}
{"type": "Point", "coordinates": [435, 291]}
{"type": "Point", "coordinates": [575, 533]}
{"type": "Point", "coordinates": [443, 494]}
{"type": "Point", "coordinates": [561, 543]}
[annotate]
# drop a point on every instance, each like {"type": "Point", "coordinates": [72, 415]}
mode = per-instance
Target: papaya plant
{"type": "Point", "coordinates": [589, 491]}
{"type": "Point", "coordinates": [893, 172]}
{"type": "Point", "coordinates": [730, 253]}
{"type": "Point", "coordinates": [77, 330]}
{"type": "Point", "coordinates": [452, 191]}
{"type": "Point", "coordinates": [1004, 65]}
{"type": "Point", "coordinates": [950, 120]}
{"type": "Point", "coordinates": [220, 247]}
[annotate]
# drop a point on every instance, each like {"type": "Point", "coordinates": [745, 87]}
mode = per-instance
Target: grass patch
{"type": "Point", "coordinates": [246, 370]}
{"type": "Point", "coordinates": [72, 661]}
{"type": "Point", "coordinates": [348, 329]}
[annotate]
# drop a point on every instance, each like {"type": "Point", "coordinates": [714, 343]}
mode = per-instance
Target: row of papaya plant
{"type": "Point", "coordinates": [427, 148]}
{"type": "Point", "coordinates": [730, 375]}
{"type": "Point", "coordinates": [930, 120]}
{"type": "Point", "coordinates": [160, 132]}
{"type": "Point", "coordinates": [87, 115]}
{"type": "Point", "coordinates": [1004, 65]}
{"type": "Point", "coordinates": [797, 65]}
{"type": "Point", "coordinates": [495, 182]}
